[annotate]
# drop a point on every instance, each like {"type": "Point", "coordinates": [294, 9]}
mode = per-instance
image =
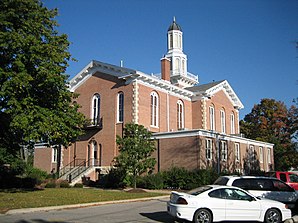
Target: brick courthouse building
{"type": "Point", "coordinates": [195, 126]}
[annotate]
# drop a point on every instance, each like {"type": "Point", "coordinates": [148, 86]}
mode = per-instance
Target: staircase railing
{"type": "Point", "coordinates": [76, 170]}
{"type": "Point", "coordinates": [69, 167]}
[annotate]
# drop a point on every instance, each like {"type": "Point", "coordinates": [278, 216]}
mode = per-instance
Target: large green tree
{"type": "Point", "coordinates": [271, 121]}
{"type": "Point", "coordinates": [35, 103]}
{"type": "Point", "coordinates": [135, 150]}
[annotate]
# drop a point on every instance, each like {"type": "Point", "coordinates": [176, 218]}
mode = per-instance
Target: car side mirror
{"type": "Point", "coordinates": [251, 199]}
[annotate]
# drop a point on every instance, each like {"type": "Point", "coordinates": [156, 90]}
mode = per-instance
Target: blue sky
{"type": "Point", "coordinates": [250, 43]}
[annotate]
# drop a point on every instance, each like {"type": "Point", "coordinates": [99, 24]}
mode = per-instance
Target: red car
{"type": "Point", "coordinates": [289, 178]}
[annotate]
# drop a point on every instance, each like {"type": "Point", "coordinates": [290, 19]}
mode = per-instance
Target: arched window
{"type": "Point", "coordinates": [183, 66]}
{"type": "Point", "coordinates": [232, 123]}
{"type": "Point", "coordinates": [212, 118]}
{"type": "Point", "coordinates": [223, 121]}
{"type": "Point", "coordinates": [237, 152]}
{"type": "Point", "coordinates": [154, 109]}
{"type": "Point", "coordinates": [120, 107]}
{"type": "Point", "coordinates": [177, 65]}
{"type": "Point", "coordinates": [180, 115]}
{"type": "Point", "coordinates": [95, 118]}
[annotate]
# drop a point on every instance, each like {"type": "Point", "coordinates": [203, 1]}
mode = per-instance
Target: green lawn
{"type": "Point", "coordinates": [63, 196]}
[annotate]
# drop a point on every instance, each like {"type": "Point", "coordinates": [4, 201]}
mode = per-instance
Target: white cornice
{"type": "Point", "coordinates": [210, 134]}
{"type": "Point", "coordinates": [96, 66]}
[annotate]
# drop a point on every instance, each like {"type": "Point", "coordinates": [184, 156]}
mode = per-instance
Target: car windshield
{"type": "Point", "coordinates": [199, 190]}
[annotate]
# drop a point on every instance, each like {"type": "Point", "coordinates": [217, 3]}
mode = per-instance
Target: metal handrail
{"type": "Point", "coordinates": [83, 167]}
{"type": "Point", "coordinates": [69, 167]}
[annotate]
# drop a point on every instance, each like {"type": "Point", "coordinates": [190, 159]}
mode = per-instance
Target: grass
{"type": "Point", "coordinates": [63, 196]}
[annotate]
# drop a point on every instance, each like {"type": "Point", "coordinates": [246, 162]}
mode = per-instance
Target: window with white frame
{"type": "Point", "coordinates": [54, 154]}
{"type": "Point", "coordinates": [269, 156]}
{"type": "Point", "coordinates": [224, 150]}
{"type": "Point", "coordinates": [261, 154]}
{"type": "Point", "coordinates": [232, 123]}
{"type": "Point", "coordinates": [223, 121]}
{"type": "Point", "coordinates": [180, 115]}
{"type": "Point", "coordinates": [154, 109]}
{"type": "Point", "coordinates": [208, 149]}
{"type": "Point", "coordinates": [237, 152]}
{"type": "Point", "coordinates": [95, 118]}
{"type": "Point", "coordinates": [252, 152]}
{"type": "Point", "coordinates": [212, 118]}
{"type": "Point", "coordinates": [120, 107]}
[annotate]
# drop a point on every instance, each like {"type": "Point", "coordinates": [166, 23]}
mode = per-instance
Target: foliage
{"type": "Point", "coordinates": [51, 184]}
{"type": "Point", "coordinates": [271, 121]}
{"type": "Point", "coordinates": [178, 178]}
{"type": "Point", "coordinates": [135, 149]}
{"type": "Point", "coordinates": [116, 178]}
{"type": "Point", "coordinates": [151, 181]}
{"type": "Point", "coordinates": [35, 103]}
{"type": "Point", "coordinates": [64, 184]}
{"type": "Point", "coordinates": [35, 173]}
{"type": "Point", "coordinates": [78, 185]}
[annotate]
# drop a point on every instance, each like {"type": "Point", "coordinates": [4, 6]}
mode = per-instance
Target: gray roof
{"type": "Point", "coordinates": [204, 87]}
{"type": "Point", "coordinates": [174, 26]}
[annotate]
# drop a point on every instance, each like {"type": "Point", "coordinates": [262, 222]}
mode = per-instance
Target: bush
{"type": "Point", "coordinates": [116, 178]}
{"type": "Point", "coordinates": [152, 181]}
{"type": "Point", "coordinates": [64, 184]}
{"type": "Point", "coordinates": [51, 184]}
{"type": "Point", "coordinates": [35, 173]}
{"type": "Point", "coordinates": [176, 178]}
{"type": "Point", "coordinates": [78, 185]}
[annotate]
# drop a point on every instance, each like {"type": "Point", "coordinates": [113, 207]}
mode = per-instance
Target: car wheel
{"type": "Point", "coordinates": [203, 216]}
{"type": "Point", "coordinates": [272, 216]}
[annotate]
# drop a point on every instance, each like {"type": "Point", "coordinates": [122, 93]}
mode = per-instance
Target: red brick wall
{"type": "Point", "coordinates": [43, 159]}
{"type": "Point", "coordinates": [182, 152]}
{"type": "Point", "coordinates": [221, 101]}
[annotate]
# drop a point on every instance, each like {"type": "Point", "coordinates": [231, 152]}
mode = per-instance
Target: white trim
{"type": "Point", "coordinates": [210, 134]}
{"type": "Point", "coordinates": [118, 107]}
{"type": "Point", "coordinates": [154, 107]}
{"type": "Point", "coordinates": [180, 114]}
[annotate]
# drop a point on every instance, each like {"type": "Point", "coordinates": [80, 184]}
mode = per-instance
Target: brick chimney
{"type": "Point", "coordinates": [165, 69]}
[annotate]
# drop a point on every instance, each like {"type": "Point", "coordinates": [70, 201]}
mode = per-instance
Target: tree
{"type": "Point", "coordinates": [271, 121]}
{"type": "Point", "coordinates": [135, 149]}
{"type": "Point", "coordinates": [35, 103]}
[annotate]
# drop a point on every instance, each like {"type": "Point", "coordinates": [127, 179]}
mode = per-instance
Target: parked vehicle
{"type": "Point", "coordinates": [289, 178]}
{"type": "Point", "coordinates": [225, 203]}
{"type": "Point", "coordinates": [267, 187]}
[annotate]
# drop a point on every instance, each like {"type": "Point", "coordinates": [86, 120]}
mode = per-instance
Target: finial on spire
{"type": "Point", "coordinates": [174, 19]}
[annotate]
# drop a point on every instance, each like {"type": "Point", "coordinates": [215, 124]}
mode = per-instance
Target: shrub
{"type": "Point", "coordinates": [116, 178]}
{"type": "Point", "coordinates": [35, 173]}
{"type": "Point", "coordinates": [51, 184]}
{"type": "Point", "coordinates": [64, 184]}
{"type": "Point", "coordinates": [176, 178]}
{"type": "Point", "coordinates": [78, 185]}
{"type": "Point", "coordinates": [152, 181]}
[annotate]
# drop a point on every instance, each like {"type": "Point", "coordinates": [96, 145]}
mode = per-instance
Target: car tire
{"type": "Point", "coordinates": [272, 216]}
{"type": "Point", "coordinates": [203, 216]}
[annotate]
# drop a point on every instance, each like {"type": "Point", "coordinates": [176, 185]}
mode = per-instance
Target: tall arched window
{"type": "Point", "coordinates": [212, 118]}
{"type": "Point", "coordinates": [120, 107]}
{"type": "Point", "coordinates": [223, 121]}
{"type": "Point", "coordinates": [177, 65]}
{"type": "Point", "coordinates": [183, 66]}
{"type": "Point", "coordinates": [95, 118]}
{"type": "Point", "coordinates": [180, 115]}
{"type": "Point", "coordinates": [232, 123]}
{"type": "Point", "coordinates": [154, 109]}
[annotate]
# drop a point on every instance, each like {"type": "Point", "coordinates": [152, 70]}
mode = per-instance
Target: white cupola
{"type": "Point", "coordinates": [178, 60]}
